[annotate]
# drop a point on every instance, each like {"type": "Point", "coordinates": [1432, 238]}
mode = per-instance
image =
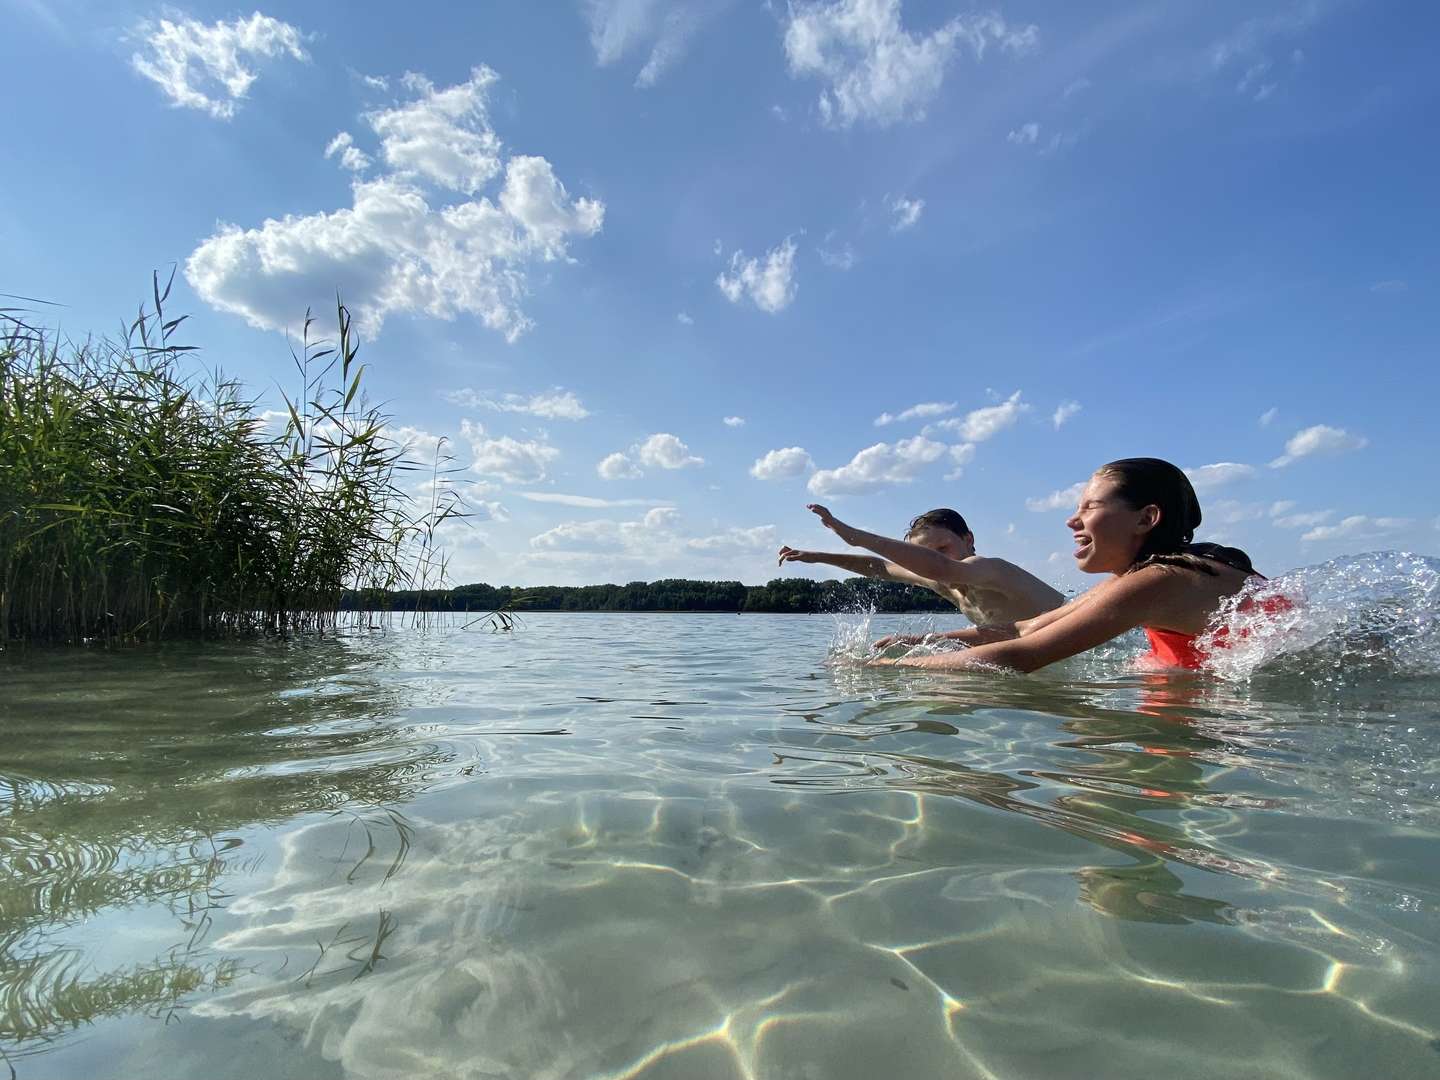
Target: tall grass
{"type": "Point", "coordinates": [142, 496]}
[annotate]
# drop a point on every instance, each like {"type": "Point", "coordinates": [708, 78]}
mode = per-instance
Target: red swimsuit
{"type": "Point", "coordinates": [1170, 648]}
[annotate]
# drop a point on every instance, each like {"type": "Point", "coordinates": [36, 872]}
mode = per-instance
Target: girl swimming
{"type": "Point", "coordinates": [1136, 522]}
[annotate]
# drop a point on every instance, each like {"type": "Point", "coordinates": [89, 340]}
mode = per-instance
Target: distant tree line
{"type": "Point", "coordinates": [788, 595]}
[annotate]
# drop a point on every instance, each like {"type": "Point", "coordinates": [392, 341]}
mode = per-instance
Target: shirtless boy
{"type": "Point", "coordinates": [938, 553]}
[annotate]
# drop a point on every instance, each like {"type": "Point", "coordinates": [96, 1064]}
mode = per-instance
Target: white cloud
{"type": "Point", "coordinates": [618, 466]}
{"type": "Point", "coordinates": [1306, 520]}
{"type": "Point", "coordinates": [1024, 135]}
{"type": "Point", "coordinates": [351, 156]}
{"type": "Point", "coordinates": [923, 411]}
{"type": "Point", "coordinates": [780, 464]}
{"type": "Point", "coordinates": [1356, 527]}
{"type": "Point", "coordinates": [581, 535]}
{"type": "Point", "coordinates": [876, 71]}
{"type": "Point", "coordinates": [1247, 48]}
{"type": "Point", "coordinates": [1064, 499]}
{"type": "Point", "coordinates": [1064, 412]}
{"type": "Point", "coordinates": [1268, 416]}
{"type": "Point", "coordinates": [513, 460]}
{"type": "Point", "coordinates": [734, 421]}
{"type": "Point", "coordinates": [665, 451]}
{"type": "Point", "coordinates": [735, 541]}
{"type": "Point", "coordinates": [961, 455]}
{"type": "Point", "coordinates": [1076, 87]}
{"type": "Point", "coordinates": [842, 258]}
{"type": "Point", "coordinates": [443, 135]}
{"type": "Point", "coordinates": [1209, 477]}
{"type": "Point", "coordinates": [204, 67]}
{"type": "Point", "coordinates": [907, 212]}
{"type": "Point", "coordinates": [1394, 286]}
{"type": "Point", "coordinates": [684, 319]}
{"type": "Point", "coordinates": [392, 251]}
{"type": "Point", "coordinates": [659, 542]}
{"type": "Point", "coordinates": [769, 285]}
{"type": "Point", "coordinates": [878, 466]}
{"type": "Point", "coordinates": [1320, 439]}
{"type": "Point", "coordinates": [984, 423]}
{"type": "Point", "coordinates": [619, 27]}
{"type": "Point", "coordinates": [584, 501]}
{"type": "Point", "coordinates": [556, 404]}
{"type": "Point", "coordinates": [1282, 506]}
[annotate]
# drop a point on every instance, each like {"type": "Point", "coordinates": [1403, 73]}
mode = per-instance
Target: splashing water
{"type": "Point", "coordinates": [1353, 618]}
{"type": "Point", "coordinates": [1356, 617]}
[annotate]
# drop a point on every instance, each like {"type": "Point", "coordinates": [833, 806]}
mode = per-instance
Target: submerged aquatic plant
{"type": "Point", "coordinates": [144, 497]}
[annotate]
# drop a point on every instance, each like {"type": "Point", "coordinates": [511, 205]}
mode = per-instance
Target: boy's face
{"type": "Point", "coordinates": [944, 541]}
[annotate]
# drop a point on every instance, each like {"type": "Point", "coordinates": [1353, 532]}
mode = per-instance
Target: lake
{"type": "Point", "coordinates": [700, 846]}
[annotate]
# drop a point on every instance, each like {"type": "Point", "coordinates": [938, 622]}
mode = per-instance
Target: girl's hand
{"type": "Point", "coordinates": [789, 554]}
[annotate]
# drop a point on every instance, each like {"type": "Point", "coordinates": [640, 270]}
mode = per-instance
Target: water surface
{"type": "Point", "coordinates": [698, 846]}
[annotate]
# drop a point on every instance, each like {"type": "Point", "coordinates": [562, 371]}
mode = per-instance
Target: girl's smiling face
{"type": "Point", "coordinates": [1108, 531]}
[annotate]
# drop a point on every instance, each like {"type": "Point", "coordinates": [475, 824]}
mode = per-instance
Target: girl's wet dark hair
{"type": "Point", "coordinates": [939, 519]}
{"type": "Point", "coordinates": [1145, 482]}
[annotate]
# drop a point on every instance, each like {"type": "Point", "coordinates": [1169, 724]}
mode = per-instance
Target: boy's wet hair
{"type": "Point", "coordinates": [939, 519]}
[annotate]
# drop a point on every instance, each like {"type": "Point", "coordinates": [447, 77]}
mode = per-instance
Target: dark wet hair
{"type": "Point", "coordinates": [1145, 482]}
{"type": "Point", "coordinates": [939, 519]}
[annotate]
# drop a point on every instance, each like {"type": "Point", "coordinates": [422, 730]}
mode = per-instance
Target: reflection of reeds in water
{"type": "Point", "coordinates": [147, 829]}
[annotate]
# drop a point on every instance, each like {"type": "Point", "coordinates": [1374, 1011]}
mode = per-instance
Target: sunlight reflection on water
{"type": "Point", "coordinates": [621, 845]}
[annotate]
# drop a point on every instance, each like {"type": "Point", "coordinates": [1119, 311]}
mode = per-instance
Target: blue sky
{"type": "Point", "coordinates": [919, 254]}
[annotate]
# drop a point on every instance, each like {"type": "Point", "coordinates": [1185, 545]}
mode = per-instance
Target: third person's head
{"type": "Point", "coordinates": [944, 531]}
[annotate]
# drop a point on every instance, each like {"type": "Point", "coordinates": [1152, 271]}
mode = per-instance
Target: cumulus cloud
{"type": "Point", "coordinates": [923, 411]}
{"type": "Point", "coordinates": [769, 284]}
{"type": "Point", "coordinates": [1064, 412]}
{"type": "Point", "coordinates": [1209, 477]}
{"type": "Point", "coordinates": [1356, 527]}
{"type": "Point", "coordinates": [879, 466]}
{"type": "Point", "coordinates": [351, 156]}
{"type": "Point", "coordinates": [734, 421]}
{"type": "Point", "coordinates": [618, 466]}
{"type": "Point", "coordinates": [621, 27]}
{"type": "Point", "coordinates": [396, 249]}
{"type": "Point", "coordinates": [1268, 416]}
{"type": "Point", "coordinates": [659, 451]}
{"type": "Point", "coordinates": [873, 69]}
{"type": "Point", "coordinates": [960, 456]}
{"type": "Point", "coordinates": [1064, 499]}
{"type": "Point", "coordinates": [203, 67]}
{"type": "Point", "coordinates": [658, 535]}
{"type": "Point", "coordinates": [735, 541]}
{"type": "Point", "coordinates": [684, 319]}
{"type": "Point", "coordinates": [514, 460]}
{"type": "Point", "coordinates": [781, 464]}
{"type": "Point", "coordinates": [907, 212]}
{"type": "Point", "coordinates": [984, 423]}
{"type": "Point", "coordinates": [556, 404]}
{"type": "Point", "coordinates": [665, 451]}
{"type": "Point", "coordinates": [1320, 439]}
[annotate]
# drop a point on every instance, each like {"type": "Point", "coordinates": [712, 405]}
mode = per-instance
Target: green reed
{"type": "Point", "coordinates": [143, 497]}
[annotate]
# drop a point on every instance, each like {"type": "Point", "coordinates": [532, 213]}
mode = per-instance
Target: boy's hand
{"type": "Point", "coordinates": [899, 639]}
{"type": "Point", "coordinates": [831, 522]}
{"type": "Point", "coordinates": [789, 554]}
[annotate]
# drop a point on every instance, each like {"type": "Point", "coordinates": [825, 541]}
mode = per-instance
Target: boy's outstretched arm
{"type": "Point", "coordinates": [866, 565]}
{"type": "Point", "coordinates": [921, 561]}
